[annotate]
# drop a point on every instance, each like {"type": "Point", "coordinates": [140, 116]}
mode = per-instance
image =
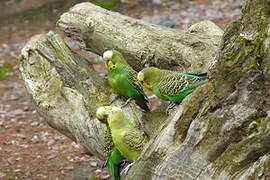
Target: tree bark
{"type": "Point", "coordinates": [142, 43]}
{"type": "Point", "coordinates": [221, 131]}
{"type": "Point", "coordinates": [67, 92]}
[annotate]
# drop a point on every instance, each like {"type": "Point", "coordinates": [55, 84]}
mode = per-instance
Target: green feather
{"type": "Point", "coordinates": [114, 157]}
{"type": "Point", "coordinates": [171, 86]}
{"type": "Point", "coordinates": [114, 161]}
{"type": "Point", "coordinates": [127, 138]}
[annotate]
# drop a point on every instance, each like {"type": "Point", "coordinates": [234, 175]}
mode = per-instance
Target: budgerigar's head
{"type": "Point", "coordinates": [113, 60]}
{"type": "Point", "coordinates": [103, 113]}
{"type": "Point", "coordinates": [115, 114]}
{"type": "Point", "coordinates": [116, 110]}
{"type": "Point", "coordinates": [149, 77]}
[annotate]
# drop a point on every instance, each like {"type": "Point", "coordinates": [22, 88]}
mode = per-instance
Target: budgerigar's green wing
{"type": "Point", "coordinates": [142, 98]}
{"type": "Point", "coordinates": [132, 78]}
{"type": "Point", "coordinates": [134, 139]}
{"type": "Point", "coordinates": [172, 84]}
{"type": "Point", "coordinates": [195, 80]}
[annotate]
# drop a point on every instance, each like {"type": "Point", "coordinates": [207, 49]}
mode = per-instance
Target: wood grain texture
{"type": "Point", "coordinates": [141, 43]}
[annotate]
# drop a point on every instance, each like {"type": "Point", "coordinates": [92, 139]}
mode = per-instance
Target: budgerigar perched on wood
{"type": "Point", "coordinates": [126, 137]}
{"type": "Point", "coordinates": [168, 85]}
{"type": "Point", "coordinates": [123, 79]}
{"type": "Point", "coordinates": [114, 156]}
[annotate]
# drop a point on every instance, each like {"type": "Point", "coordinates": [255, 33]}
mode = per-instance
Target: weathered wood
{"type": "Point", "coordinates": [221, 131]}
{"type": "Point", "coordinates": [143, 44]}
{"type": "Point", "coordinates": [67, 91]}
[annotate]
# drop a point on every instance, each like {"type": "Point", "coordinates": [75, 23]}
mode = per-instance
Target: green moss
{"type": "Point", "coordinates": [227, 161]}
{"type": "Point", "coordinates": [4, 70]}
{"type": "Point", "coordinates": [191, 109]}
{"type": "Point", "coordinates": [248, 150]}
{"type": "Point", "coordinates": [231, 29]}
{"type": "Point", "coordinates": [263, 124]}
{"type": "Point", "coordinates": [242, 50]}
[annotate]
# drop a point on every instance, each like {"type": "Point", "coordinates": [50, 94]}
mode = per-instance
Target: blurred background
{"type": "Point", "coordinates": [29, 148]}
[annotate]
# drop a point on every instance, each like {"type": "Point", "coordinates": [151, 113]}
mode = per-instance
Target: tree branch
{"type": "Point", "coordinates": [67, 91]}
{"type": "Point", "coordinates": [142, 43]}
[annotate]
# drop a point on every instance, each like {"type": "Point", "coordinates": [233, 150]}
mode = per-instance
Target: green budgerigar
{"type": "Point", "coordinates": [126, 137]}
{"type": "Point", "coordinates": [169, 85]}
{"type": "Point", "coordinates": [114, 156]}
{"type": "Point", "coordinates": [123, 79]}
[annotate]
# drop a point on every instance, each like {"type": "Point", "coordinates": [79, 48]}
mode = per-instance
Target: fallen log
{"type": "Point", "coordinates": [143, 44]}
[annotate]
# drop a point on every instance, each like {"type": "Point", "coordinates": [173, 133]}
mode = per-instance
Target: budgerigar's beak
{"type": "Point", "coordinates": [106, 60]}
{"type": "Point", "coordinates": [140, 76]}
{"type": "Point", "coordinates": [103, 112]}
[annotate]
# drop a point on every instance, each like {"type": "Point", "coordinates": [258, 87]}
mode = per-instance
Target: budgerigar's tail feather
{"type": "Point", "coordinates": [114, 169]}
{"type": "Point", "coordinates": [114, 161]}
{"type": "Point", "coordinates": [143, 104]}
{"type": "Point", "coordinates": [203, 77]}
{"type": "Point", "coordinates": [200, 75]}
{"type": "Point", "coordinates": [200, 78]}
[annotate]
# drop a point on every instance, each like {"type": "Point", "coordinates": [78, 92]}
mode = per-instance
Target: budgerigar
{"type": "Point", "coordinates": [126, 137]}
{"type": "Point", "coordinates": [168, 85]}
{"type": "Point", "coordinates": [123, 79]}
{"type": "Point", "coordinates": [114, 157]}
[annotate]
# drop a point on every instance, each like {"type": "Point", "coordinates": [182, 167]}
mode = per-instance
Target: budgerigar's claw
{"type": "Point", "coordinates": [125, 171]}
{"type": "Point", "coordinates": [105, 164]}
{"type": "Point", "coordinates": [124, 161]}
{"type": "Point", "coordinates": [126, 103]}
{"type": "Point", "coordinates": [170, 106]}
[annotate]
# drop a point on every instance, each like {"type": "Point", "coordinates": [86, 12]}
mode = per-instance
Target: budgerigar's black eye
{"type": "Point", "coordinates": [148, 84]}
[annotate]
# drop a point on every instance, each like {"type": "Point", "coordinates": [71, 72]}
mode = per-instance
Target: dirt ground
{"type": "Point", "coordinates": [29, 148]}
